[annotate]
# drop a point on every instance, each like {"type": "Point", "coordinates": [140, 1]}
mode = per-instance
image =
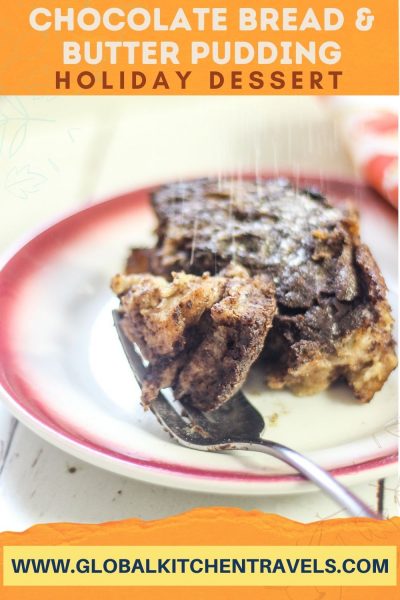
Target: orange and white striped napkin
{"type": "Point", "coordinates": [370, 132]}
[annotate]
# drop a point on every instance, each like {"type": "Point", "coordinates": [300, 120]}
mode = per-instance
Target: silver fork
{"type": "Point", "coordinates": [236, 425]}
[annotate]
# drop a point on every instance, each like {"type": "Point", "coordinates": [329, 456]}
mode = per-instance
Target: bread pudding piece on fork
{"type": "Point", "coordinates": [333, 319]}
{"type": "Point", "coordinates": [200, 334]}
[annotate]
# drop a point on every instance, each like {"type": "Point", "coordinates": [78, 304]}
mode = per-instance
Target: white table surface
{"type": "Point", "coordinates": [60, 153]}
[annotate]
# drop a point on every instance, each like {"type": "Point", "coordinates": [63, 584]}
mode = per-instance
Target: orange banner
{"type": "Point", "coordinates": [201, 533]}
{"type": "Point", "coordinates": [176, 47]}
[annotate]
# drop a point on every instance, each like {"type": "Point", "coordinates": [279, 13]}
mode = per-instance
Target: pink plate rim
{"type": "Point", "coordinates": [24, 401]}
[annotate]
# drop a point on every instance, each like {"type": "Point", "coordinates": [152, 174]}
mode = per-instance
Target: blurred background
{"type": "Point", "coordinates": [58, 154]}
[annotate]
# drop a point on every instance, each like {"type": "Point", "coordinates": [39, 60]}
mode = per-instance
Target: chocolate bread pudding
{"type": "Point", "coordinates": [333, 320]}
{"type": "Point", "coordinates": [200, 333]}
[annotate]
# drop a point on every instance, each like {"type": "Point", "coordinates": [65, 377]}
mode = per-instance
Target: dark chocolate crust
{"type": "Point", "coordinates": [333, 319]}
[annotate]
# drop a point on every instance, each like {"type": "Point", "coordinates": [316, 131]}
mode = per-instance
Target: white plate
{"type": "Point", "coordinates": [65, 376]}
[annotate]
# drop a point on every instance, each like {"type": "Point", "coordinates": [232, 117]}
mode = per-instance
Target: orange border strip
{"type": "Point", "coordinates": [212, 526]}
{"type": "Point", "coordinates": [30, 59]}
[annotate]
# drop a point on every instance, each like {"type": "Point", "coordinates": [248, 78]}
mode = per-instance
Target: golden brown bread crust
{"type": "Point", "coordinates": [364, 359]}
{"type": "Point", "coordinates": [159, 311]}
{"type": "Point", "coordinates": [200, 334]}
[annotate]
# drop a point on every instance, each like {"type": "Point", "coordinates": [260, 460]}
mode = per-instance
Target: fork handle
{"type": "Point", "coordinates": [313, 472]}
